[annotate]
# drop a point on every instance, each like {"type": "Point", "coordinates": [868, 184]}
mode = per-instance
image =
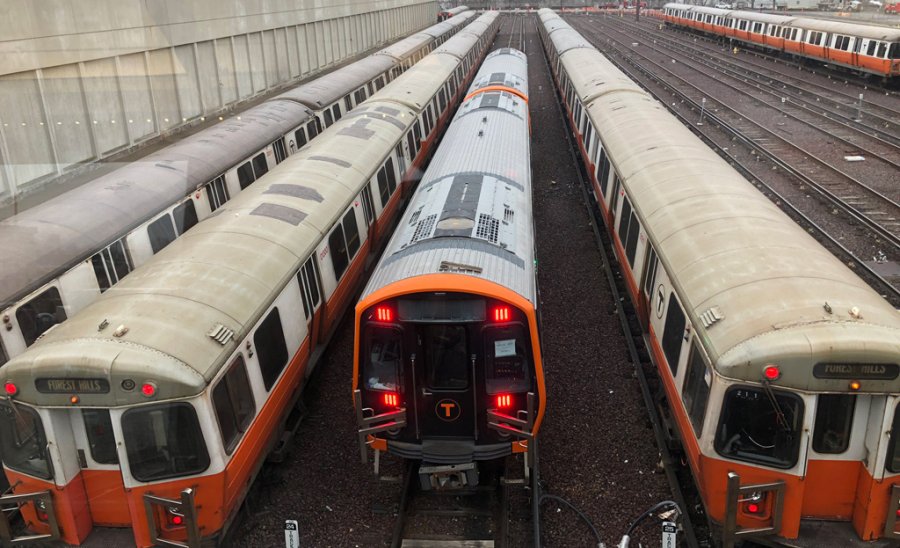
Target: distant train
{"type": "Point", "coordinates": [443, 15]}
{"type": "Point", "coordinates": [447, 358]}
{"type": "Point", "coordinates": [153, 409]}
{"type": "Point", "coordinates": [61, 255]}
{"type": "Point", "coordinates": [872, 49]}
{"type": "Point", "coordinates": [780, 366]}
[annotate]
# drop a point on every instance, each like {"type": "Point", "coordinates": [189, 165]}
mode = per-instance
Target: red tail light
{"type": "Point", "coordinates": [392, 400]}
{"type": "Point", "coordinates": [501, 314]}
{"type": "Point", "coordinates": [754, 508]}
{"type": "Point", "coordinates": [11, 389]}
{"type": "Point", "coordinates": [384, 314]}
{"type": "Point", "coordinates": [504, 401]}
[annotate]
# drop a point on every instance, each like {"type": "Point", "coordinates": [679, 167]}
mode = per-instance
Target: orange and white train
{"type": "Point", "coordinates": [872, 49]}
{"type": "Point", "coordinates": [781, 367]}
{"type": "Point", "coordinates": [145, 418]}
{"type": "Point", "coordinates": [447, 358]}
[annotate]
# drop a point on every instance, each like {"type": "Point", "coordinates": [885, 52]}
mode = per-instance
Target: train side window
{"type": "Point", "coordinates": [328, 118]}
{"type": "Point", "coordinates": [634, 230]}
{"type": "Point", "coordinates": [834, 419]}
{"type": "Point", "coordinates": [280, 152]}
{"type": "Point", "coordinates": [313, 128]}
{"type": "Point", "coordinates": [614, 199]}
{"type": "Point", "coordinates": [882, 49]}
{"type": "Point", "coordinates": [23, 445]}
{"type": "Point", "coordinates": [506, 362]}
{"type": "Point", "coordinates": [604, 171]}
{"type": "Point", "coordinates": [351, 233]}
{"type": "Point", "coordinates": [752, 429]}
{"type": "Point", "coordinates": [309, 285]}
{"type": "Point", "coordinates": [336, 109]}
{"type": "Point", "coordinates": [260, 167]}
{"type": "Point", "coordinates": [623, 220]}
{"type": "Point", "coordinates": [381, 365]}
{"type": "Point", "coordinates": [300, 138]}
{"type": "Point", "coordinates": [245, 175]}
{"type": "Point", "coordinates": [383, 189]}
{"type": "Point", "coordinates": [40, 314]}
{"type": "Point", "coordinates": [368, 206]}
{"type": "Point", "coordinates": [217, 191]}
{"type": "Point", "coordinates": [110, 265]}
{"type": "Point", "coordinates": [410, 141]}
{"type": "Point", "coordinates": [588, 135]}
{"type": "Point", "coordinates": [442, 100]}
{"type": "Point", "coordinates": [894, 52]}
{"type": "Point", "coordinates": [446, 357]}
{"type": "Point", "coordinates": [164, 441]}
{"type": "Point", "coordinates": [161, 233]}
{"type": "Point", "coordinates": [185, 216]}
{"type": "Point", "coordinates": [891, 463]}
{"type": "Point", "coordinates": [271, 348]}
{"type": "Point", "coordinates": [348, 103]}
{"type": "Point", "coordinates": [650, 270]}
{"type": "Point", "coordinates": [696, 389]}
{"type": "Point", "coordinates": [101, 439]}
{"type": "Point", "coordinates": [391, 174]}
{"type": "Point", "coordinates": [673, 333]}
{"type": "Point", "coordinates": [401, 160]}
{"type": "Point", "coordinates": [379, 83]}
{"type": "Point", "coordinates": [339, 257]}
{"type": "Point", "coordinates": [234, 405]}
{"type": "Point", "coordinates": [417, 131]}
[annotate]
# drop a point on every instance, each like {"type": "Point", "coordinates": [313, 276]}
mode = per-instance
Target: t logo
{"type": "Point", "coordinates": [447, 410]}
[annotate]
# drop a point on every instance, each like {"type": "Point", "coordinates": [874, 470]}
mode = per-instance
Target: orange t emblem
{"type": "Point", "coordinates": [447, 408]}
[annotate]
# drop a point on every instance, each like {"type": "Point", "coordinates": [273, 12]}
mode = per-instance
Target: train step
{"type": "Point", "coordinates": [291, 425]}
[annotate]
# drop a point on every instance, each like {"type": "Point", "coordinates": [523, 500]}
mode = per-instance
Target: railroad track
{"type": "Point", "coordinates": [878, 213]}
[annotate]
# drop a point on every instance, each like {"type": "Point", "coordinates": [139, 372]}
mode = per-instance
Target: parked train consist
{"type": "Point", "coordinates": [443, 15]}
{"type": "Point", "coordinates": [867, 48]}
{"type": "Point", "coordinates": [61, 255]}
{"type": "Point", "coordinates": [155, 406]}
{"type": "Point", "coordinates": [781, 367]}
{"type": "Point", "coordinates": [447, 359]}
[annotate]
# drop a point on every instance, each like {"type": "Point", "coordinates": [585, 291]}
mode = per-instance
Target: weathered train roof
{"type": "Point", "coordinates": [472, 209]}
{"type": "Point", "coordinates": [592, 74]}
{"type": "Point", "coordinates": [333, 86]}
{"type": "Point", "coordinates": [42, 242]}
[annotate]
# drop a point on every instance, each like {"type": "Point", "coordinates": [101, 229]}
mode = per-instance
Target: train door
{"type": "Point", "coordinates": [369, 215]}
{"type": "Point", "coordinates": [280, 150]}
{"type": "Point", "coordinates": [443, 367]}
{"type": "Point", "coordinates": [94, 448]}
{"type": "Point", "coordinates": [645, 291]}
{"type": "Point", "coordinates": [311, 292]}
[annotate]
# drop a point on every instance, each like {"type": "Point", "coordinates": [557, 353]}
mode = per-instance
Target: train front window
{"type": "Point", "coordinates": [760, 428]}
{"type": "Point", "coordinates": [23, 445]}
{"type": "Point", "coordinates": [834, 417]}
{"type": "Point", "coordinates": [164, 441]}
{"type": "Point", "coordinates": [892, 463]}
{"type": "Point", "coordinates": [381, 368]}
{"type": "Point", "coordinates": [446, 358]}
{"type": "Point", "coordinates": [40, 314]}
{"type": "Point", "coordinates": [101, 439]}
{"type": "Point", "coordinates": [506, 362]}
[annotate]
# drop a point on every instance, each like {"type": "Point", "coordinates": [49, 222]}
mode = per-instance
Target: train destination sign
{"type": "Point", "coordinates": [72, 386]}
{"type": "Point", "coordinates": [876, 371]}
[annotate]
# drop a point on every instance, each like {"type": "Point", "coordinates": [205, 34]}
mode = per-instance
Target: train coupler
{"type": "Point", "coordinates": [451, 476]}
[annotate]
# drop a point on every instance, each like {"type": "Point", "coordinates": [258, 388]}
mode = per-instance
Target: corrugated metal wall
{"type": "Point", "coordinates": [80, 81]}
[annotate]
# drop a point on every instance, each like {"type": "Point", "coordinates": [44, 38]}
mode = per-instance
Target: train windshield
{"type": "Point", "coordinates": [446, 357]}
{"type": "Point", "coordinates": [759, 427]}
{"type": "Point", "coordinates": [164, 441]}
{"type": "Point", "coordinates": [23, 445]}
{"type": "Point", "coordinates": [506, 359]}
{"type": "Point", "coordinates": [892, 463]}
{"type": "Point", "coordinates": [382, 358]}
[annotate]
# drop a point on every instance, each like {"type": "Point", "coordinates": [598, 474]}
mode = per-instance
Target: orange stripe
{"type": "Point", "coordinates": [514, 91]}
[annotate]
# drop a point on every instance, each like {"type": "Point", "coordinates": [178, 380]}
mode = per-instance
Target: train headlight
{"type": "Point", "coordinates": [11, 389]}
{"type": "Point", "coordinates": [148, 389]}
{"type": "Point", "coordinates": [771, 373]}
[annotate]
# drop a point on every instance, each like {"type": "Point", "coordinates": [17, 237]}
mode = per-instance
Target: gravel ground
{"type": "Point", "coordinates": [596, 445]}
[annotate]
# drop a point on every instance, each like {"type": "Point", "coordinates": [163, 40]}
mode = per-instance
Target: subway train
{"type": "Point", "coordinates": [61, 255]}
{"type": "Point", "coordinates": [443, 15]}
{"type": "Point", "coordinates": [780, 366]}
{"type": "Point", "coordinates": [872, 49]}
{"type": "Point", "coordinates": [447, 359]}
{"type": "Point", "coordinates": [154, 407]}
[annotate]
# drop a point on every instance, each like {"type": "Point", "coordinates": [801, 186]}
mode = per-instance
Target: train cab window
{"type": "Point", "coordinates": [110, 265]}
{"type": "Point", "coordinates": [313, 129]}
{"type": "Point", "coordinates": [351, 233]}
{"type": "Point", "coordinates": [760, 428]}
{"type": "Point", "coordinates": [834, 419]}
{"type": "Point", "coordinates": [673, 333]}
{"type": "Point", "coordinates": [234, 405]}
{"type": "Point", "coordinates": [271, 348]}
{"type": "Point", "coordinates": [260, 166]}
{"type": "Point", "coordinates": [381, 367]}
{"type": "Point", "coordinates": [300, 138]}
{"type": "Point", "coordinates": [23, 445]}
{"type": "Point", "coordinates": [696, 389]}
{"type": "Point", "coordinates": [185, 216]}
{"type": "Point", "coordinates": [40, 314]}
{"type": "Point", "coordinates": [245, 175]}
{"type": "Point", "coordinates": [338, 251]}
{"type": "Point", "coordinates": [101, 439]}
{"type": "Point", "coordinates": [161, 233]}
{"type": "Point", "coordinates": [164, 441]}
{"type": "Point", "coordinates": [280, 152]}
{"type": "Point", "coordinates": [446, 357]}
{"type": "Point", "coordinates": [217, 192]}
{"type": "Point", "coordinates": [506, 362]}
{"type": "Point", "coordinates": [329, 119]}
{"type": "Point", "coordinates": [892, 462]}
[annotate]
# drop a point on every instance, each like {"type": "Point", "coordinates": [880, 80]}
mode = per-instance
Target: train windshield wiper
{"type": "Point", "coordinates": [779, 414]}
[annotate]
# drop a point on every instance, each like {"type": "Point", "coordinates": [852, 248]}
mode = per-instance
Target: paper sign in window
{"type": "Point", "coordinates": [505, 348]}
